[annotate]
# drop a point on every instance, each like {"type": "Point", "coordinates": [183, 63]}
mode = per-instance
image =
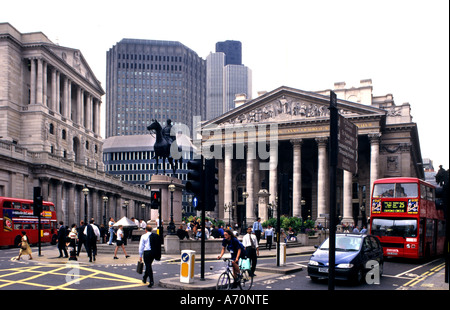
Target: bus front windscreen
{"type": "Point", "coordinates": [394, 227]}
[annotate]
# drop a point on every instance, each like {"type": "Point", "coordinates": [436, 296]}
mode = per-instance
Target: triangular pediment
{"type": "Point", "coordinates": [74, 59]}
{"type": "Point", "coordinates": [286, 104]}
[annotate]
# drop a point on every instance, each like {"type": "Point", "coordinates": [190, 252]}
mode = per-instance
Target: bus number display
{"type": "Point", "coordinates": [394, 206]}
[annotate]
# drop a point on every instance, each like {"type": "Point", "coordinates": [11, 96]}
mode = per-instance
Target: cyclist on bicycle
{"type": "Point", "coordinates": [236, 249]}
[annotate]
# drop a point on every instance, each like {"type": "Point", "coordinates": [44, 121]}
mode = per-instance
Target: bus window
{"type": "Point", "coordinates": [423, 191]}
{"type": "Point", "coordinates": [383, 190]}
{"type": "Point", "coordinates": [26, 206]}
{"type": "Point", "coordinates": [394, 227]}
{"type": "Point", "coordinates": [7, 204]}
{"type": "Point", "coordinates": [430, 193]}
{"type": "Point", "coordinates": [409, 190]}
{"type": "Point", "coordinates": [16, 205]}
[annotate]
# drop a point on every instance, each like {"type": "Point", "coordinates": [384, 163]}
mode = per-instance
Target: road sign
{"type": "Point", "coordinates": [195, 202]}
{"type": "Point", "coordinates": [347, 145]}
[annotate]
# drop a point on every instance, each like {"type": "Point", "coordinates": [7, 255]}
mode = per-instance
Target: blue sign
{"type": "Point", "coordinates": [185, 257]}
{"type": "Point", "coordinates": [195, 202]}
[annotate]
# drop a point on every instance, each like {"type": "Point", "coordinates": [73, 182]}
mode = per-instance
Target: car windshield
{"type": "Point", "coordinates": [344, 243]}
{"type": "Point", "coordinates": [394, 227]}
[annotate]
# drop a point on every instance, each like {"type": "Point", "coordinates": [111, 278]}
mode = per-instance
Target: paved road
{"type": "Point", "coordinates": [51, 273]}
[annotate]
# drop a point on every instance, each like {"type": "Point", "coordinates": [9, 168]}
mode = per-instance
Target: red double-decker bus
{"type": "Point", "coordinates": [16, 215]}
{"type": "Point", "coordinates": [405, 218]}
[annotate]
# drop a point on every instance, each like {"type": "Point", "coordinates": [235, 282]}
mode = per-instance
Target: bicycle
{"type": "Point", "coordinates": [244, 280]}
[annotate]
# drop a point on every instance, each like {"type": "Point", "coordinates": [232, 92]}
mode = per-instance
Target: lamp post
{"type": "Point", "coordinates": [126, 207]}
{"type": "Point", "coordinates": [244, 224]}
{"type": "Point", "coordinates": [85, 191]}
{"type": "Point", "coordinates": [171, 228]}
{"type": "Point", "coordinates": [229, 207]}
{"type": "Point", "coordinates": [105, 200]}
{"type": "Point", "coordinates": [143, 210]}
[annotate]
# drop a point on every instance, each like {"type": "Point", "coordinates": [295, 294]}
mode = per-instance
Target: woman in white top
{"type": "Point", "coordinates": [119, 242]}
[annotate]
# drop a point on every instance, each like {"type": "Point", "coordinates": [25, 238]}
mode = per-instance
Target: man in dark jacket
{"type": "Point", "coordinates": [62, 233]}
{"type": "Point", "coordinates": [149, 249]}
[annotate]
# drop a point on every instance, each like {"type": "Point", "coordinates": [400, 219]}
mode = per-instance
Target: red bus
{"type": "Point", "coordinates": [405, 218]}
{"type": "Point", "coordinates": [16, 215]}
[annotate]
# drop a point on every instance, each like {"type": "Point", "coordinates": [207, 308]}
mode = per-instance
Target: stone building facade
{"type": "Point", "coordinates": [50, 130]}
{"type": "Point", "coordinates": [275, 149]}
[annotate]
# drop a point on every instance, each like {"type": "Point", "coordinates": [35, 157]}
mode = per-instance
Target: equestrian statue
{"type": "Point", "coordinates": [163, 145]}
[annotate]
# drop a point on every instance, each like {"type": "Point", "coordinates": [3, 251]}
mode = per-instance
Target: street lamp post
{"type": "Point", "coordinates": [126, 207]}
{"type": "Point", "coordinates": [229, 207]}
{"type": "Point", "coordinates": [105, 200]}
{"type": "Point", "coordinates": [171, 228]}
{"type": "Point", "coordinates": [143, 210]}
{"type": "Point", "coordinates": [85, 191]}
{"type": "Point", "coordinates": [244, 224]}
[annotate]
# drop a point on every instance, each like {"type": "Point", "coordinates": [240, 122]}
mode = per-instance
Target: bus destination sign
{"type": "Point", "coordinates": [394, 206]}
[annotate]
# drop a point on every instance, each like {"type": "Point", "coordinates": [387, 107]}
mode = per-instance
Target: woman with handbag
{"type": "Point", "coordinates": [24, 246]}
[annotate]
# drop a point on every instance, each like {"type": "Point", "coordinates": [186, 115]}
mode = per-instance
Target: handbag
{"type": "Point", "coordinates": [140, 267]}
{"type": "Point", "coordinates": [244, 263]}
{"type": "Point", "coordinates": [23, 246]}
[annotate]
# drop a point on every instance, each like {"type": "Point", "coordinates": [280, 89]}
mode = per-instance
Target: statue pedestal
{"type": "Point", "coordinates": [161, 183]}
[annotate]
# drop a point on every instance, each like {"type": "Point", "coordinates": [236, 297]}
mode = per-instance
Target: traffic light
{"type": "Point", "coordinates": [210, 184]}
{"type": "Point", "coordinates": [155, 199]}
{"type": "Point", "coordinates": [37, 201]}
{"type": "Point", "coordinates": [195, 183]}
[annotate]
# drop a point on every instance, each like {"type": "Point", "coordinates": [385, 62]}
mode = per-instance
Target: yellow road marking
{"type": "Point", "coordinates": [75, 276]}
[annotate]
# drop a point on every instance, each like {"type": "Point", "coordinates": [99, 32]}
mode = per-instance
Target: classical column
{"type": "Point", "coordinates": [32, 81]}
{"type": "Point", "coordinates": [64, 97]}
{"type": "Point", "coordinates": [348, 215]}
{"type": "Point", "coordinates": [58, 107]}
{"type": "Point", "coordinates": [69, 99]}
{"type": "Point", "coordinates": [82, 112]}
{"type": "Point", "coordinates": [273, 174]}
{"type": "Point", "coordinates": [54, 91]}
{"type": "Point", "coordinates": [71, 204]}
{"type": "Point", "coordinates": [297, 178]}
{"type": "Point", "coordinates": [228, 174]}
{"type": "Point", "coordinates": [89, 112]}
{"type": "Point", "coordinates": [322, 176]}
{"type": "Point", "coordinates": [60, 212]}
{"type": "Point", "coordinates": [39, 83]}
{"type": "Point", "coordinates": [44, 92]}
{"type": "Point", "coordinates": [374, 158]}
{"type": "Point", "coordinates": [250, 185]}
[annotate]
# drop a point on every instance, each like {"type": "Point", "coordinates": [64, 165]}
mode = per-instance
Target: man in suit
{"type": "Point", "coordinates": [149, 250]}
{"type": "Point", "coordinates": [62, 233]}
{"type": "Point", "coordinates": [92, 235]}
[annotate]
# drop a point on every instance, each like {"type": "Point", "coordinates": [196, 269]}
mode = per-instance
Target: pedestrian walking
{"type": "Point", "coordinates": [149, 250]}
{"type": "Point", "coordinates": [119, 242]}
{"type": "Point", "coordinates": [24, 246]}
{"type": "Point", "coordinates": [81, 237]}
{"type": "Point", "coordinates": [257, 228]}
{"type": "Point", "coordinates": [252, 248]}
{"type": "Point", "coordinates": [111, 230]}
{"type": "Point", "coordinates": [62, 233]}
{"type": "Point", "coordinates": [269, 237]}
{"type": "Point", "coordinates": [92, 235]}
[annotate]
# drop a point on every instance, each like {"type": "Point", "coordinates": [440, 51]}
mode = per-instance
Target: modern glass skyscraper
{"type": "Point", "coordinates": [226, 77]}
{"type": "Point", "coordinates": [149, 79]}
{"type": "Point", "coordinates": [232, 51]}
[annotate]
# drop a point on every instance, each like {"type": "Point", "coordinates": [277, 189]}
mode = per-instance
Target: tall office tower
{"type": "Point", "coordinates": [149, 79]}
{"type": "Point", "coordinates": [226, 77]}
{"type": "Point", "coordinates": [232, 50]}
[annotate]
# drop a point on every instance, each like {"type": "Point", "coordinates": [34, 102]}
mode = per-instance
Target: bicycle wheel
{"type": "Point", "coordinates": [223, 283]}
{"type": "Point", "coordinates": [246, 280]}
